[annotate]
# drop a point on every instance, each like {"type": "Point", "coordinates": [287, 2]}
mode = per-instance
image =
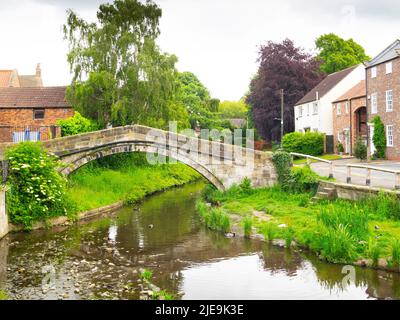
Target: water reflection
{"type": "Point", "coordinates": [102, 259]}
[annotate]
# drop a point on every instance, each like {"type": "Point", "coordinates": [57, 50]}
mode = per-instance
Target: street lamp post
{"type": "Point", "coordinates": [281, 119]}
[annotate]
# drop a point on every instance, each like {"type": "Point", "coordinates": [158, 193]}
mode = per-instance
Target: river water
{"type": "Point", "coordinates": [102, 259]}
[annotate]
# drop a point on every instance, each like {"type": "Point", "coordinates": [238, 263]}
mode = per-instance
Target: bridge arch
{"type": "Point", "coordinates": [75, 160]}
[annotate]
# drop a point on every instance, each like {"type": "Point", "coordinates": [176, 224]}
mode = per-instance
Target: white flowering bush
{"type": "Point", "coordinates": [36, 189]}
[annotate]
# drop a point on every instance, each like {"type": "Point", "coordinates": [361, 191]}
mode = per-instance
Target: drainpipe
{"type": "Point", "coordinates": [368, 120]}
{"type": "Point", "coordinates": [351, 126]}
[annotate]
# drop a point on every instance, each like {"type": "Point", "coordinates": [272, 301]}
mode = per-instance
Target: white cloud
{"type": "Point", "coordinates": [216, 39]}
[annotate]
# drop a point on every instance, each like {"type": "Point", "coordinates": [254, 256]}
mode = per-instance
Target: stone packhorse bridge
{"type": "Point", "coordinates": [221, 164]}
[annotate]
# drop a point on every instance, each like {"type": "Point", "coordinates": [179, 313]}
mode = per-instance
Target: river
{"type": "Point", "coordinates": [102, 259]}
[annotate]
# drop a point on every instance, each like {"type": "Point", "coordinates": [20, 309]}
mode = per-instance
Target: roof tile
{"type": "Point", "coordinates": [326, 85]}
{"type": "Point", "coordinates": [49, 97]}
{"type": "Point", "coordinates": [358, 91]}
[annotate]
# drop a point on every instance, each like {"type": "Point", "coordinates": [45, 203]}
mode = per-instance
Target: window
{"type": "Point", "coordinates": [374, 103]}
{"type": "Point", "coordinates": [373, 72]}
{"type": "Point", "coordinates": [347, 107]}
{"type": "Point", "coordinates": [389, 136]}
{"type": "Point", "coordinates": [389, 67]}
{"type": "Point", "coordinates": [300, 111]}
{"type": "Point", "coordinates": [339, 109]}
{"type": "Point", "coordinates": [38, 114]}
{"type": "Point", "coordinates": [308, 109]}
{"type": "Point", "coordinates": [389, 101]}
{"type": "Point", "coordinates": [315, 108]}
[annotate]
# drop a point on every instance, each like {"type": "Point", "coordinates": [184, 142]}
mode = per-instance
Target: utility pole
{"type": "Point", "coordinates": [282, 107]}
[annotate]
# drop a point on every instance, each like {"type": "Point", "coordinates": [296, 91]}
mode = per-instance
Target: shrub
{"type": "Point", "coordinates": [302, 179]}
{"type": "Point", "coordinates": [75, 125]}
{"type": "Point", "coordinates": [292, 142]}
{"type": "Point", "coordinates": [360, 150]}
{"type": "Point", "coordinates": [282, 162]}
{"type": "Point", "coordinates": [310, 143]}
{"type": "Point", "coordinates": [379, 138]}
{"type": "Point", "coordinates": [340, 147]}
{"type": "Point", "coordinates": [37, 190]}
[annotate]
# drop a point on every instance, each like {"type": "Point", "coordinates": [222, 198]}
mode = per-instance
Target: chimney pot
{"type": "Point", "coordinates": [38, 71]}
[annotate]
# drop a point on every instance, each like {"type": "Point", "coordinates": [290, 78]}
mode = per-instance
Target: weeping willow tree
{"type": "Point", "coordinates": [120, 76]}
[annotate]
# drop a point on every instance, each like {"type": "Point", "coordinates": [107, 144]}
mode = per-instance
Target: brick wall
{"type": "Point", "coordinates": [18, 119]}
{"type": "Point", "coordinates": [380, 85]}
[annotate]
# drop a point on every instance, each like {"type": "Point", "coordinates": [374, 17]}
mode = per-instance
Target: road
{"type": "Point", "coordinates": [358, 176]}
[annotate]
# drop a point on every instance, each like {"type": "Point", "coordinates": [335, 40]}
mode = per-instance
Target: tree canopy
{"type": "Point", "coordinates": [338, 54]}
{"type": "Point", "coordinates": [196, 98]}
{"type": "Point", "coordinates": [120, 75]}
{"type": "Point", "coordinates": [282, 66]}
{"type": "Point", "coordinates": [233, 109]}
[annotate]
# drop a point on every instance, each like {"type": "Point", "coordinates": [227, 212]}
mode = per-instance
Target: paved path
{"type": "Point", "coordinates": [358, 176]}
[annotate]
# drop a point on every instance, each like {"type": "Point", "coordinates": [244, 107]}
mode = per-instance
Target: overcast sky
{"type": "Point", "coordinates": [218, 40]}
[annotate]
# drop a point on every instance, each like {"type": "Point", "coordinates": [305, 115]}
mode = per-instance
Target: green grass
{"type": "Point", "coordinates": [247, 226]}
{"type": "Point", "coordinates": [214, 218]}
{"type": "Point", "coordinates": [340, 231]}
{"type": "Point", "coordinates": [146, 275]}
{"type": "Point", "coordinates": [330, 157]}
{"type": "Point", "coordinates": [126, 178]}
{"type": "Point", "coordinates": [3, 295]}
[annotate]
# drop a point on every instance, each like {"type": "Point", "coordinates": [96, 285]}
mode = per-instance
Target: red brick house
{"type": "Point", "coordinates": [31, 113]}
{"type": "Point", "coordinates": [11, 78]}
{"type": "Point", "coordinates": [383, 97]}
{"type": "Point", "coordinates": [350, 118]}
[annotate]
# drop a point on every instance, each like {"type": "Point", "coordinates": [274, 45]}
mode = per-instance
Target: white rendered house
{"type": "Point", "coordinates": [314, 111]}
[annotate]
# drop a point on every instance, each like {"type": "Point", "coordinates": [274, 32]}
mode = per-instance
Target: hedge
{"type": "Point", "coordinates": [311, 143]}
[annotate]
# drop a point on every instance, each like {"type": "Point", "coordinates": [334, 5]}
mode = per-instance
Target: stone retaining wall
{"type": "Point", "coordinates": [354, 192]}
{"type": "Point", "coordinates": [83, 216]}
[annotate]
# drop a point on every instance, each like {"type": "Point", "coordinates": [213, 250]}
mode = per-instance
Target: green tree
{"type": "Point", "coordinates": [120, 74]}
{"type": "Point", "coordinates": [379, 138]}
{"type": "Point", "coordinates": [75, 125]}
{"type": "Point", "coordinates": [233, 109]}
{"type": "Point", "coordinates": [338, 54]}
{"type": "Point", "coordinates": [196, 99]}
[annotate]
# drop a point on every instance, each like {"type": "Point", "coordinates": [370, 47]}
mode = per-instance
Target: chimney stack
{"type": "Point", "coordinates": [38, 71]}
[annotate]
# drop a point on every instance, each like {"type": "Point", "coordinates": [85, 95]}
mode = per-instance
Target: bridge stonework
{"type": "Point", "coordinates": [221, 164]}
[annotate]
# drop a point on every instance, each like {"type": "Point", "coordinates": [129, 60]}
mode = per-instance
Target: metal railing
{"type": "Point", "coordinates": [309, 158]}
{"type": "Point", "coordinates": [369, 170]}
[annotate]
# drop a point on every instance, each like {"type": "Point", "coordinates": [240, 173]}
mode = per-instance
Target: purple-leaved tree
{"type": "Point", "coordinates": [282, 66]}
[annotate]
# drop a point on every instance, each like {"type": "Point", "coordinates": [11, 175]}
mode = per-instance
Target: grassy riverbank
{"type": "Point", "coordinates": [338, 231]}
{"type": "Point", "coordinates": [3, 295]}
{"type": "Point", "coordinates": [126, 177]}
